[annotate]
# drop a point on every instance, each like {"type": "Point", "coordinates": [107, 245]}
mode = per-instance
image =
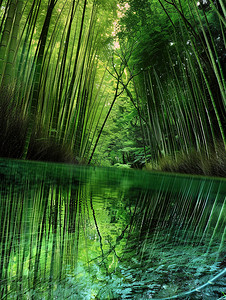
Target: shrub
{"type": "Point", "coordinates": [198, 163]}
{"type": "Point", "coordinates": [13, 133]}
{"type": "Point", "coordinates": [13, 127]}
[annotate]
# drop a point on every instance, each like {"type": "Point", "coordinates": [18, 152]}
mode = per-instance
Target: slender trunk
{"type": "Point", "coordinates": [105, 120]}
{"type": "Point", "coordinates": [62, 71]}
{"type": "Point", "coordinates": [37, 74]}
{"type": "Point", "coordinates": [78, 50]}
{"type": "Point", "coordinates": [8, 77]}
{"type": "Point", "coordinates": [69, 93]}
{"type": "Point", "coordinates": [9, 41]}
{"type": "Point", "coordinates": [40, 55]}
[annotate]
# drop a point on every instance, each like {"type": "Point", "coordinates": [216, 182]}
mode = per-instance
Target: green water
{"type": "Point", "coordinates": [89, 233]}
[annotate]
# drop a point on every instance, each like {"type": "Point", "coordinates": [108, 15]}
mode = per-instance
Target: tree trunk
{"type": "Point", "coordinates": [9, 42]}
{"type": "Point", "coordinates": [40, 55]}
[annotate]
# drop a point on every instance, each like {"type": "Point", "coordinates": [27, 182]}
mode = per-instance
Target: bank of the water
{"type": "Point", "coordinates": [44, 147]}
{"type": "Point", "coordinates": [194, 162]}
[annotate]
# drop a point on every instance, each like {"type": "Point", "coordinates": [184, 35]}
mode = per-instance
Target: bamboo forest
{"type": "Point", "coordinates": [112, 149]}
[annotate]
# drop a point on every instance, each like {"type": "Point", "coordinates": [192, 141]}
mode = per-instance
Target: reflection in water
{"type": "Point", "coordinates": [86, 233]}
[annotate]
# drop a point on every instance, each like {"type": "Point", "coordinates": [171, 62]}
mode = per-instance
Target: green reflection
{"type": "Point", "coordinates": [86, 233]}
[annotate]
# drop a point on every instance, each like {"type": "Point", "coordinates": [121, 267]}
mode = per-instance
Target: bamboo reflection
{"type": "Point", "coordinates": [55, 233]}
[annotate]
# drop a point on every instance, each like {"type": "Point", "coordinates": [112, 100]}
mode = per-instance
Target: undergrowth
{"type": "Point", "coordinates": [13, 134]}
{"type": "Point", "coordinates": [195, 162]}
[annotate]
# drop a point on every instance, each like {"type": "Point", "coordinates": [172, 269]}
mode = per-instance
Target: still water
{"type": "Point", "coordinates": [72, 232]}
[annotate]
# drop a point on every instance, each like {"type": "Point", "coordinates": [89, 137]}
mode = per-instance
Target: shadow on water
{"type": "Point", "coordinates": [88, 233]}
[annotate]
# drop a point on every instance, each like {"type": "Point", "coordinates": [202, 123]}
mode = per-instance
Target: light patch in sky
{"type": "Point", "coordinates": [203, 2]}
{"type": "Point", "coordinates": [116, 45]}
{"type": "Point", "coordinates": [120, 13]}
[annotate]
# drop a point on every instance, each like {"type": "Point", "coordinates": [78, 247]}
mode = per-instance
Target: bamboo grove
{"type": "Point", "coordinates": [65, 64]}
{"type": "Point", "coordinates": [49, 69]}
{"type": "Point", "coordinates": [180, 95]}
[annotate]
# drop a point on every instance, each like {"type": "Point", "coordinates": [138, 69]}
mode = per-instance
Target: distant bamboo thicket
{"type": "Point", "coordinates": [49, 62]}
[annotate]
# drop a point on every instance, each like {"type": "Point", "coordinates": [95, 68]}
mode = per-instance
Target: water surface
{"type": "Point", "coordinates": [71, 232]}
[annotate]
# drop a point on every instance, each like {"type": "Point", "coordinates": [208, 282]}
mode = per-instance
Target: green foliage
{"type": "Point", "coordinates": [120, 135]}
{"type": "Point", "coordinates": [179, 48]}
{"type": "Point", "coordinates": [100, 77]}
{"type": "Point", "coordinates": [57, 75]}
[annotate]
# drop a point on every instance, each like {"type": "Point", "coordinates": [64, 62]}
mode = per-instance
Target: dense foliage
{"type": "Point", "coordinates": [180, 47]}
{"type": "Point", "coordinates": [127, 83]}
{"type": "Point", "coordinates": [51, 73]}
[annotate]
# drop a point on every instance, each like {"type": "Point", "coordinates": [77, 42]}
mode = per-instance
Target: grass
{"type": "Point", "coordinates": [13, 127]}
{"type": "Point", "coordinates": [195, 162]}
{"type": "Point", "coordinates": [13, 134]}
{"type": "Point", "coordinates": [46, 149]}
